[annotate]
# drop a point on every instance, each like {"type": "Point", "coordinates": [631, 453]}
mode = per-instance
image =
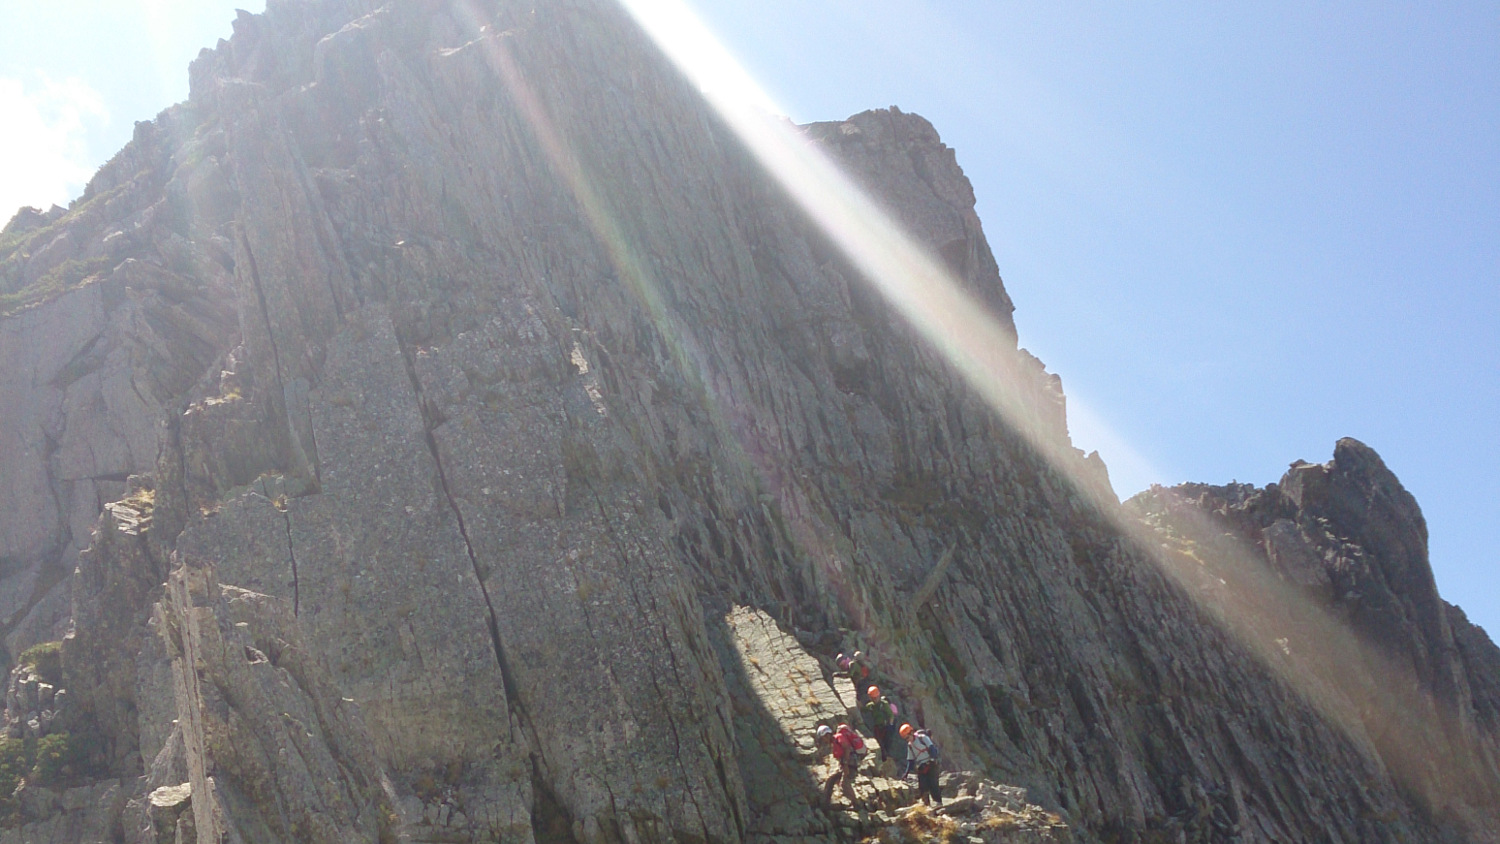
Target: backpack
{"type": "Point", "coordinates": [859, 673]}
{"type": "Point", "coordinates": [856, 744]}
{"type": "Point", "coordinates": [932, 746]}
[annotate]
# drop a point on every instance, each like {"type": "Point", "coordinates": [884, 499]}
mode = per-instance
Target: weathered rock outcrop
{"type": "Point", "coordinates": [274, 752]}
{"type": "Point", "coordinates": [422, 428]}
{"type": "Point", "coordinates": [1336, 555]}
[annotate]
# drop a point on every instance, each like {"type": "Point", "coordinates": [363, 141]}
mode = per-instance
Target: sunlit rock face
{"type": "Point", "coordinates": [444, 397]}
{"type": "Point", "coordinates": [1339, 552]}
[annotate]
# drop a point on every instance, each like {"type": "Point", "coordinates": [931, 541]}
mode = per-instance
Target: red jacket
{"type": "Point", "coordinates": [847, 743]}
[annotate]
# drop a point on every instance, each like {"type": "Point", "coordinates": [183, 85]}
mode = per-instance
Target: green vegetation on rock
{"type": "Point", "coordinates": [15, 764]}
{"type": "Point", "coordinates": [46, 660]}
{"type": "Point", "coordinates": [66, 276]}
{"type": "Point", "coordinates": [59, 760]}
{"type": "Point", "coordinates": [13, 242]}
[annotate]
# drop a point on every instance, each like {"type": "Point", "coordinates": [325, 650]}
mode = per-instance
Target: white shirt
{"type": "Point", "coordinates": [921, 749]}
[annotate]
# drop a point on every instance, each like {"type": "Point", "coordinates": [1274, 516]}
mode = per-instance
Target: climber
{"type": "Point", "coordinates": [880, 719]}
{"type": "Point", "coordinates": [859, 670]}
{"type": "Point", "coordinates": [922, 754]}
{"type": "Point", "coordinates": [849, 749]}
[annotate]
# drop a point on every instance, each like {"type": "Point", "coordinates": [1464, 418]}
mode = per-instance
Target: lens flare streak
{"type": "Point", "coordinates": [1417, 739]}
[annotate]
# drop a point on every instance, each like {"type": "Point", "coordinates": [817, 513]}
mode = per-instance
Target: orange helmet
{"type": "Point", "coordinates": [873, 692]}
{"type": "Point", "coordinates": [906, 731]}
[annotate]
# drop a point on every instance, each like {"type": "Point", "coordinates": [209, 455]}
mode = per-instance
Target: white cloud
{"type": "Point", "coordinates": [43, 154]}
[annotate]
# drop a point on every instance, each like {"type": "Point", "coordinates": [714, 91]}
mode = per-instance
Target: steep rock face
{"type": "Point", "coordinates": [1351, 542]}
{"type": "Point", "coordinates": [274, 753]}
{"type": "Point", "coordinates": [1350, 535]}
{"type": "Point", "coordinates": [136, 314]}
{"type": "Point", "coordinates": [476, 353]}
{"type": "Point", "coordinates": [83, 815]}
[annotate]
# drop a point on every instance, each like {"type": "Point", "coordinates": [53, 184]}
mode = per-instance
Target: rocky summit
{"type": "Point", "coordinates": [441, 428]}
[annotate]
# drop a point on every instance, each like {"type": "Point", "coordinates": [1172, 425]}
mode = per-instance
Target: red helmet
{"type": "Point", "coordinates": [873, 692]}
{"type": "Point", "coordinates": [906, 731]}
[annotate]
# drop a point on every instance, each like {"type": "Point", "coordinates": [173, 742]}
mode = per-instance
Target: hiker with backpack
{"type": "Point", "coordinates": [922, 755]}
{"type": "Point", "coordinates": [880, 719]}
{"type": "Point", "coordinates": [859, 670]}
{"type": "Point", "coordinates": [849, 749]}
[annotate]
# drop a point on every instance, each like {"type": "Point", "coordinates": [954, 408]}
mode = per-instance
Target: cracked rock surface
{"type": "Point", "coordinates": [440, 428]}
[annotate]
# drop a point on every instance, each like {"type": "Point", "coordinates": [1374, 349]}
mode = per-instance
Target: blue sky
{"type": "Point", "coordinates": [1238, 231]}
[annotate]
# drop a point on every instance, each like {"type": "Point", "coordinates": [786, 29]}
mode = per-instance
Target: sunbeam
{"type": "Point", "coordinates": [735, 430]}
{"type": "Point", "coordinates": [950, 319]}
{"type": "Point", "coordinates": [1372, 699]}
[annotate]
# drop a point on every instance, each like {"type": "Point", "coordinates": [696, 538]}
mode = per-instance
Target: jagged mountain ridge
{"type": "Point", "coordinates": [368, 354]}
{"type": "Point", "coordinates": [1346, 538]}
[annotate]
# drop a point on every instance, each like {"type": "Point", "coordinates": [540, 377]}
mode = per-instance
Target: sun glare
{"type": "Point", "coordinates": [1374, 700]}
{"type": "Point", "coordinates": [904, 272]}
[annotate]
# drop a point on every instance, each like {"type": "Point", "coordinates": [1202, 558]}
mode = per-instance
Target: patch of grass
{"type": "Point", "coordinates": [46, 660]}
{"type": "Point", "coordinates": [14, 242]}
{"type": "Point", "coordinates": [920, 823]}
{"type": "Point", "coordinates": [1001, 822]}
{"type": "Point", "coordinates": [68, 275]}
{"type": "Point", "coordinates": [58, 760]}
{"type": "Point", "coordinates": [15, 763]}
{"type": "Point", "coordinates": [61, 759]}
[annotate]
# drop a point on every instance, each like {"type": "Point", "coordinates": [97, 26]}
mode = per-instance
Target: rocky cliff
{"type": "Point", "coordinates": [440, 428]}
{"type": "Point", "coordinates": [1330, 572]}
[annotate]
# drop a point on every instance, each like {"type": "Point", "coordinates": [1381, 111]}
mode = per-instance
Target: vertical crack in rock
{"type": "Point", "coordinates": [494, 625]}
{"type": "Point", "coordinates": [507, 679]}
{"type": "Point", "coordinates": [319, 224]}
{"type": "Point", "coordinates": [265, 313]}
{"type": "Point", "coordinates": [550, 823]}
{"type": "Point", "coordinates": [739, 821]}
{"type": "Point", "coordinates": [139, 396]}
{"type": "Point", "coordinates": [310, 461]}
{"type": "Point", "coordinates": [315, 461]}
{"type": "Point", "coordinates": [619, 545]}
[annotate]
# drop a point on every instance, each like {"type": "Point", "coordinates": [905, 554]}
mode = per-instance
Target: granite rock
{"type": "Point", "coordinates": [444, 393]}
